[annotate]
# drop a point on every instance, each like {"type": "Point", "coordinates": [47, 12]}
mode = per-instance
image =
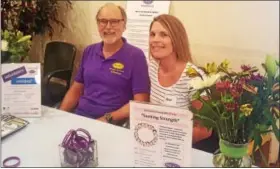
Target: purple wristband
{"type": "Point", "coordinates": [85, 132]}
{"type": "Point", "coordinates": [17, 159]}
{"type": "Point", "coordinates": [68, 138]}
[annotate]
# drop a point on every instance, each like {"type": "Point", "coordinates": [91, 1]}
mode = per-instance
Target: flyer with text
{"type": "Point", "coordinates": [139, 17]}
{"type": "Point", "coordinates": [21, 89]}
{"type": "Point", "coordinates": [162, 135]}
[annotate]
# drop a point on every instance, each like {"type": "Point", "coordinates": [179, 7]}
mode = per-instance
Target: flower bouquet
{"type": "Point", "coordinates": [14, 46]}
{"type": "Point", "coordinates": [240, 106]}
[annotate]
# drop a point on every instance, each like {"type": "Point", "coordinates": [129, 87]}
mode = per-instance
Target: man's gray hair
{"type": "Point", "coordinates": [123, 13]}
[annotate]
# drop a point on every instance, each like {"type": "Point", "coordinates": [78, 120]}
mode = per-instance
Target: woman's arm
{"type": "Point", "coordinates": [199, 132]}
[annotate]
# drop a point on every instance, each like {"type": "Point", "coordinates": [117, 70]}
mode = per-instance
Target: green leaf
{"type": "Point", "coordinates": [19, 34]}
{"type": "Point", "coordinates": [24, 38]}
{"type": "Point", "coordinates": [257, 139]}
{"type": "Point", "coordinates": [207, 122]}
{"type": "Point", "coordinates": [226, 115]}
{"type": "Point", "coordinates": [263, 127]}
{"type": "Point", "coordinates": [196, 95]}
{"type": "Point", "coordinates": [208, 110]}
{"type": "Point", "coordinates": [258, 143]}
{"type": "Point", "coordinates": [269, 116]}
{"type": "Point", "coordinates": [266, 132]}
{"type": "Point", "coordinates": [6, 35]}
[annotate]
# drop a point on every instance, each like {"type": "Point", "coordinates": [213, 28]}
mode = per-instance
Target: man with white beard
{"type": "Point", "coordinates": [111, 73]}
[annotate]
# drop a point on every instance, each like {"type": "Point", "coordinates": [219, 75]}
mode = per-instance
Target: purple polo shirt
{"type": "Point", "coordinates": [110, 83]}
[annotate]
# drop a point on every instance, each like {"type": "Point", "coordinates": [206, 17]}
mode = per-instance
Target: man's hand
{"type": "Point", "coordinates": [103, 119]}
{"type": "Point", "coordinates": [123, 112]}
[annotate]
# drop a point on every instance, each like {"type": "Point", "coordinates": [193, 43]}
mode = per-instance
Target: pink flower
{"type": "Point", "coordinates": [257, 77]}
{"type": "Point", "coordinates": [231, 107]}
{"type": "Point", "coordinates": [236, 90]}
{"type": "Point", "coordinates": [223, 86]}
{"type": "Point", "coordinates": [245, 67]}
{"type": "Point", "coordinates": [235, 94]}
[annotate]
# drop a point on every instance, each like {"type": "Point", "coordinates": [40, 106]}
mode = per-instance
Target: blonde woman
{"type": "Point", "coordinates": [169, 48]}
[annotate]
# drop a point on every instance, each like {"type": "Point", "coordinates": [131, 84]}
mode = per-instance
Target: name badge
{"type": "Point", "coordinates": [170, 100]}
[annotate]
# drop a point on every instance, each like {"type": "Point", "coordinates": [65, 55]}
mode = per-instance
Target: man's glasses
{"type": "Point", "coordinates": [113, 22]}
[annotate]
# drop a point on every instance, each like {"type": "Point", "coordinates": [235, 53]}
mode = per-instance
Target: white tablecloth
{"type": "Point", "coordinates": [37, 144]}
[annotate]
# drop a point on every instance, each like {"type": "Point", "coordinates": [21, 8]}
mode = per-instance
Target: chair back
{"type": "Point", "coordinates": [58, 55]}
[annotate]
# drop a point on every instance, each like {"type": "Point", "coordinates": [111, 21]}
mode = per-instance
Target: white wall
{"type": "Point", "coordinates": [243, 32]}
{"type": "Point", "coordinates": [247, 25]}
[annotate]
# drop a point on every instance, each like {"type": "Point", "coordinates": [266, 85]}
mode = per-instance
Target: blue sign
{"type": "Point", "coordinates": [23, 81]}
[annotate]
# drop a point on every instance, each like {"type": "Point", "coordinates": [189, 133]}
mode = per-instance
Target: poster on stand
{"type": "Point", "coordinates": [139, 17]}
{"type": "Point", "coordinates": [162, 135]}
{"type": "Point", "coordinates": [21, 89]}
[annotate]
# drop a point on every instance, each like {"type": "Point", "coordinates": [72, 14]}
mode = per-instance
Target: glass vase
{"type": "Point", "coordinates": [79, 157]}
{"type": "Point", "coordinates": [232, 155]}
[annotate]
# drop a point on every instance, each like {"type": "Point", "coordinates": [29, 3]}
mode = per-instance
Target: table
{"type": "Point", "coordinates": [37, 144]}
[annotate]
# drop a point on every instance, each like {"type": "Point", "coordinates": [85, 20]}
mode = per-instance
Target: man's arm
{"type": "Point", "coordinates": [123, 112]}
{"type": "Point", "coordinates": [72, 97]}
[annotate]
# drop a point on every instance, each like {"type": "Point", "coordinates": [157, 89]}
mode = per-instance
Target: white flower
{"type": "Point", "coordinates": [4, 45]}
{"type": "Point", "coordinates": [207, 81]}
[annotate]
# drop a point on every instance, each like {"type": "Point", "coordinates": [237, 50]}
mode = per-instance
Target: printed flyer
{"type": "Point", "coordinates": [162, 135]}
{"type": "Point", "coordinates": [21, 89]}
{"type": "Point", "coordinates": [139, 17]}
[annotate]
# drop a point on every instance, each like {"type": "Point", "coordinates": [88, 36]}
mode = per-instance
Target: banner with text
{"type": "Point", "coordinates": [139, 17]}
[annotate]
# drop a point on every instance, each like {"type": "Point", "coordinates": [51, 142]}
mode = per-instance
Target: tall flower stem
{"type": "Point", "coordinates": [227, 132]}
{"type": "Point", "coordinates": [233, 125]}
{"type": "Point", "coordinates": [213, 112]}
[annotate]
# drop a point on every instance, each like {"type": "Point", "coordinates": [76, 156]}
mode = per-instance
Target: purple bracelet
{"type": "Point", "coordinates": [77, 148]}
{"type": "Point", "coordinates": [85, 132]}
{"type": "Point", "coordinates": [68, 137]}
{"type": "Point", "coordinates": [17, 159]}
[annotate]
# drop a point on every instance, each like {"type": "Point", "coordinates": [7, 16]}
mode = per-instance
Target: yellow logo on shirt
{"type": "Point", "coordinates": [118, 66]}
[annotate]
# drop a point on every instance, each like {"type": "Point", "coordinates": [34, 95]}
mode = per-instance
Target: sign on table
{"type": "Point", "coordinates": [162, 135]}
{"type": "Point", "coordinates": [21, 89]}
